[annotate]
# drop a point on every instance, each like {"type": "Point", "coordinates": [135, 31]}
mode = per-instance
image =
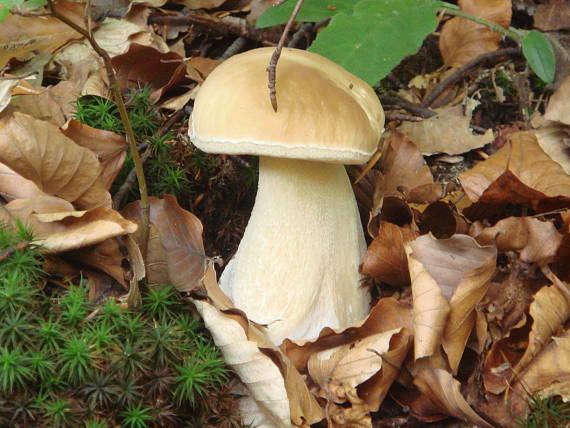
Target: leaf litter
{"type": "Point", "coordinates": [469, 268]}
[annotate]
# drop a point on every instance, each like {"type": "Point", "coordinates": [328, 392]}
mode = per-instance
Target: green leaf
{"type": "Point", "coordinates": [33, 4]}
{"type": "Point", "coordinates": [312, 11]}
{"type": "Point", "coordinates": [540, 56]}
{"type": "Point", "coordinates": [4, 12]}
{"type": "Point", "coordinates": [377, 35]}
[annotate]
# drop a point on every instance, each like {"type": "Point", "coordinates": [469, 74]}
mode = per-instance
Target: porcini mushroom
{"type": "Point", "coordinates": [296, 268]}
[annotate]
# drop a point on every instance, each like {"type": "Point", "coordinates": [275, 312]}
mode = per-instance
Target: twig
{"type": "Point", "coordinates": [4, 254]}
{"type": "Point", "coordinates": [403, 117]}
{"type": "Point", "coordinates": [408, 106]}
{"type": "Point", "coordinates": [299, 34]}
{"type": "Point", "coordinates": [129, 182]}
{"type": "Point", "coordinates": [236, 47]}
{"type": "Point", "coordinates": [457, 74]}
{"type": "Point", "coordinates": [225, 26]}
{"type": "Point", "coordinates": [272, 68]}
{"type": "Point", "coordinates": [115, 90]}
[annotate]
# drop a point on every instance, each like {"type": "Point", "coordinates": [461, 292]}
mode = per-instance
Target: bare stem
{"type": "Point", "coordinates": [118, 97]}
{"type": "Point", "coordinates": [272, 68]}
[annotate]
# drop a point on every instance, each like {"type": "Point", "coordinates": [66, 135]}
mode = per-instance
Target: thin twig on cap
{"type": "Point", "coordinates": [272, 68]}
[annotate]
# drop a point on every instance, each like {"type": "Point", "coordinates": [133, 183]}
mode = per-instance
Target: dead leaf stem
{"type": "Point", "coordinates": [272, 68]}
{"type": "Point", "coordinates": [457, 74]}
{"type": "Point", "coordinates": [115, 90]}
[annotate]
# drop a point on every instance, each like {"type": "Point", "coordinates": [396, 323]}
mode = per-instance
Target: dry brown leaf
{"type": "Point", "coordinates": [554, 140]}
{"type": "Point", "coordinates": [110, 148]}
{"type": "Point", "coordinates": [6, 87]}
{"type": "Point", "coordinates": [442, 220]}
{"type": "Point", "coordinates": [25, 210]}
{"type": "Point", "coordinates": [520, 172]}
{"type": "Point", "coordinates": [385, 259]}
{"type": "Point", "coordinates": [14, 186]}
{"type": "Point", "coordinates": [355, 416]}
{"type": "Point", "coordinates": [537, 241]}
{"type": "Point", "coordinates": [351, 364]}
{"type": "Point", "coordinates": [552, 16]}
{"type": "Point", "coordinates": [550, 310]}
{"type": "Point", "coordinates": [444, 392]}
{"type": "Point", "coordinates": [198, 68]}
{"type": "Point", "coordinates": [462, 40]}
{"type": "Point", "coordinates": [20, 36]}
{"type": "Point", "coordinates": [548, 374]}
{"type": "Point", "coordinates": [54, 104]}
{"type": "Point", "coordinates": [201, 4]}
{"type": "Point", "coordinates": [448, 132]}
{"type": "Point", "coordinates": [144, 65]}
{"type": "Point", "coordinates": [180, 234]}
{"type": "Point", "coordinates": [39, 152]}
{"type": "Point", "coordinates": [449, 277]}
{"type": "Point", "coordinates": [105, 256]}
{"type": "Point", "coordinates": [558, 108]}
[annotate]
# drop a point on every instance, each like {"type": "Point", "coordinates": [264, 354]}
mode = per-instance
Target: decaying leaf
{"type": "Point", "coordinates": [462, 40]}
{"type": "Point", "coordinates": [110, 148]}
{"type": "Point", "coordinates": [180, 234]}
{"type": "Point", "coordinates": [552, 16]}
{"type": "Point", "coordinates": [443, 391]}
{"type": "Point", "coordinates": [14, 186]}
{"type": "Point", "coordinates": [447, 132]}
{"type": "Point", "coordinates": [449, 277]}
{"type": "Point", "coordinates": [558, 108]}
{"type": "Point", "coordinates": [520, 172]}
{"type": "Point", "coordinates": [537, 241]}
{"type": "Point", "coordinates": [39, 152]}
{"type": "Point", "coordinates": [548, 374]}
{"type": "Point", "coordinates": [20, 36]}
{"type": "Point", "coordinates": [554, 139]}
{"type": "Point", "coordinates": [385, 259]}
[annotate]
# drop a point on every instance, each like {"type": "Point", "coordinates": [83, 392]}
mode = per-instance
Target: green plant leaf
{"type": "Point", "coordinates": [4, 12]}
{"type": "Point", "coordinates": [312, 11]}
{"type": "Point", "coordinates": [377, 35]}
{"type": "Point", "coordinates": [540, 56]}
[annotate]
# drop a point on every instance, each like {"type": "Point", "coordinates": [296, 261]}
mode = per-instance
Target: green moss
{"type": "Point", "coordinates": [546, 412]}
{"type": "Point", "coordinates": [63, 360]}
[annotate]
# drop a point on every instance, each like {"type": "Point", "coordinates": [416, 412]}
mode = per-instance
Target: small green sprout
{"type": "Point", "coordinates": [76, 361]}
{"type": "Point", "coordinates": [59, 413]}
{"type": "Point", "coordinates": [15, 371]}
{"type": "Point", "coordinates": [136, 416]}
{"type": "Point", "coordinates": [160, 301]}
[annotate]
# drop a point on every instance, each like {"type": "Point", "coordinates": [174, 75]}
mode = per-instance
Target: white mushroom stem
{"type": "Point", "coordinates": [296, 268]}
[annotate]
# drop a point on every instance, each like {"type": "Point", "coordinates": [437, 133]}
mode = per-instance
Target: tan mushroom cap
{"type": "Point", "coordinates": [324, 112]}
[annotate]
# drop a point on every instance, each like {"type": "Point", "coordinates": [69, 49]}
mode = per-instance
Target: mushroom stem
{"type": "Point", "coordinates": [296, 268]}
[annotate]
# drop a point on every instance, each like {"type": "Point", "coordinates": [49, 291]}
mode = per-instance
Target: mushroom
{"type": "Point", "coordinates": [296, 267]}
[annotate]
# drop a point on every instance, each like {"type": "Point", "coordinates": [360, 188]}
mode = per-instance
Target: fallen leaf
{"type": "Point", "coordinates": [14, 186]}
{"type": "Point", "coordinates": [553, 16]}
{"type": "Point", "coordinates": [20, 36]}
{"type": "Point", "coordinates": [554, 140]}
{"type": "Point", "coordinates": [447, 132]}
{"type": "Point", "coordinates": [180, 234]}
{"type": "Point", "coordinates": [199, 67]}
{"type": "Point", "coordinates": [110, 148]}
{"type": "Point", "coordinates": [548, 374]}
{"type": "Point", "coordinates": [201, 4]}
{"type": "Point", "coordinates": [385, 259]}
{"type": "Point", "coordinates": [6, 87]}
{"type": "Point", "coordinates": [105, 257]}
{"type": "Point", "coordinates": [442, 220]}
{"type": "Point", "coordinates": [449, 278]}
{"type": "Point", "coordinates": [54, 104]}
{"type": "Point", "coordinates": [145, 65]}
{"type": "Point", "coordinates": [537, 241]}
{"type": "Point", "coordinates": [39, 152]}
{"type": "Point", "coordinates": [520, 172]}
{"type": "Point", "coordinates": [558, 108]}
{"type": "Point", "coordinates": [462, 40]}
{"type": "Point", "coordinates": [444, 392]}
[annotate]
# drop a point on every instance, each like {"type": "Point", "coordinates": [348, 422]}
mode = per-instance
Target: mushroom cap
{"type": "Point", "coordinates": [324, 112]}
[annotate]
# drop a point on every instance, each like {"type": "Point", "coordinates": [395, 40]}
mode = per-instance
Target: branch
{"type": "Point", "coordinates": [118, 97]}
{"type": "Point", "coordinates": [272, 68]}
{"type": "Point", "coordinates": [457, 74]}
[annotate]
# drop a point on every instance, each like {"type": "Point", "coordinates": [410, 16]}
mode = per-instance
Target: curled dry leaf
{"type": "Point", "coordinates": [39, 152]}
{"type": "Point", "coordinates": [548, 374]}
{"type": "Point", "coordinates": [558, 108]}
{"type": "Point", "coordinates": [180, 234]}
{"type": "Point", "coordinates": [449, 277]}
{"type": "Point", "coordinates": [110, 148]}
{"type": "Point", "coordinates": [279, 393]}
{"type": "Point", "coordinates": [54, 104]}
{"type": "Point", "coordinates": [20, 36]}
{"type": "Point", "coordinates": [442, 220]}
{"type": "Point", "coordinates": [520, 172]}
{"type": "Point", "coordinates": [443, 391]}
{"type": "Point", "coordinates": [385, 259]}
{"type": "Point", "coordinates": [537, 241]}
{"type": "Point", "coordinates": [201, 4]}
{"type": "Point", "coordinates": [6, 87]}
{"type": "Point", "coordinates": [554, 140]}
{"type": "Point", "coordinates": [447, 132]}
{"type": "Point", "coordinates": [552, 16]}
{"type": "Point", "coordinates": [105, 256]}
{"type": "Point", "coordinates": [14, 186]}
{"type": "Point", "coordinates": [462, 40]}
{"type": "Point", "coordinates": [145, 65]}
